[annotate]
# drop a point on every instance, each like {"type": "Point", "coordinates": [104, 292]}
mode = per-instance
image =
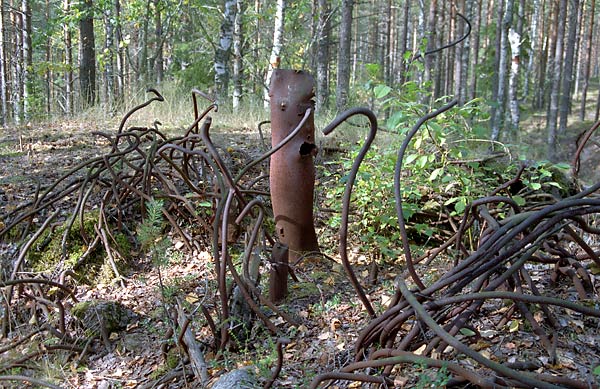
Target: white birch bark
{"type": "Point", "coordinates": [223, 51]}
{"type": "Point", "coordinates": [513, 100]}
{"type": "Point", "coordinates": [275, 58]}
{"type": "Point", "coordinates": [237, 55]}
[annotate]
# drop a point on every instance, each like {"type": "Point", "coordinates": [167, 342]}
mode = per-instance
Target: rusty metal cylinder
{"type": "Point", "coordinates": [292, 174]}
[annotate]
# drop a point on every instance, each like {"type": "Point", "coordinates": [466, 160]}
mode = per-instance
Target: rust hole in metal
{"type": "Point", "coordinates": [281, 234]}
{"type": "Point", "coordinates": [307, 149]}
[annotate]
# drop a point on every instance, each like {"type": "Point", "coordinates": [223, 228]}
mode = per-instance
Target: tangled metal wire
{"type": "Point", "coordinates": [425, 324]}
{"type": "Point", "coordinates": [205, 203]}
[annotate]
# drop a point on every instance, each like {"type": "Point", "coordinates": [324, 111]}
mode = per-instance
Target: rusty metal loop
{"type": "Point", "coordinates": [157, 97]}
{"type": "Point", "coordinates": [348, 193]}
{"type": "Point", "coordinates": [397, 192]}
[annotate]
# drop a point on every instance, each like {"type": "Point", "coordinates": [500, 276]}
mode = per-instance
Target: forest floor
{"type": "Point", "coordinates": [330, 314]}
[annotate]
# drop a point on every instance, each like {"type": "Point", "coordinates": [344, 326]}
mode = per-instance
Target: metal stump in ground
{"type": "Point", "coordinates": [292, 174]}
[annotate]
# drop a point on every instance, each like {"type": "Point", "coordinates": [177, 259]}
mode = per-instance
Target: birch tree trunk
{"type": "Point", "coordinates": [587, 61]}
{"type": "Point", "coordinates": [343, 60]}
{"type": "Point", "coordinates": [567, 78]}
{"type": "Point", "coordinates": [323, 32]}
{"type": "Point", "coordinates": [3, 91]}
{"type": "Point", "coordinates": [223, 51]}
{"type": "Point", "coordinates": [238, 69]}
{"type": "Point", "coordinates": [551, 122]}
{"type": "Point", "coordinates": [513, 101]}
{"type": "Point", "coordinates": [275, 58]}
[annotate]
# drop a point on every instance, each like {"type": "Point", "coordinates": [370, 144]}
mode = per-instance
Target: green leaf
{"type": "Point", "coordinates": [467, 332]}
{"type": "Point", "coordinates": [381, 91]}
{"type": "Point", "coordinates": [435, 173]}
{"type": "Point", "coordinates": [535, 185]}
{"type": "Point", "coordinates": [205, 204]}
{"type": "Point", "coordinates": [597, 370]}
{"type": "Point", "coordinates": [461, 205]}
{"type": "Point", "coordinates": [519, 200]}
{"type": "Point", "coordinates": [513, 326]}
{"type": "Point", "coordinates": [410, 158]}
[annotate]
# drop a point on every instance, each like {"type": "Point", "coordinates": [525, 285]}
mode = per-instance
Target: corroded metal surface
{"type": "Point", "coordinates": [292, 171]}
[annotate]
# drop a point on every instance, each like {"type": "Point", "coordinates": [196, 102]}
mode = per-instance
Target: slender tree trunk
{"type": "Point", "coordinates": [533, 39]}
{"type": "Point", "coordinates": [275, 58]}
{"type": "Point", "coordinates": [109, 50]}
{"type": "Point", "coordinates": [223, 51]}
{"type": "Point", "coordinates": [17, 68]}
{"type": "Point", "coordinates": [27, 57]}
{"type": "Point", "coordinates": [68, 61]}
{"type": "Point", "coordinates": [120, 89]}
{"type": "Point", "coordinates": [431, 60]}
{"type": "Point", "coordinates": [238, 69]}
{"type": "Point", "coordinates": [3, 91]}
{"type": "Point", "coordinates": [587, 62]}
{"type": "Point", "coordinates": [143, 44]}
{"type": "Point", "coordinates": [506, 22]}
{"type": "Point", "coordinates": [567, 78]}
{"type": "Point", "coordinates": [343, 60]}
{"type": "Point", "coordinates": [158, 32]}
{"type": "Point", "coordinates": [459, 84]}
{"type": "Point", "coordinates": [87, 56]}
{"type": "Point", "coordinates": [513, 101]}
{"type": "Point", "coordinates": [404, 39]}
{"type": "Point", "coordinates": [475, 40]}
{"type": "Point", "coordinates": [48, 57]}
{"type": "Point", "coordinates": [323, 32]}
{"type": "Point", "coordinates": [551, 123]}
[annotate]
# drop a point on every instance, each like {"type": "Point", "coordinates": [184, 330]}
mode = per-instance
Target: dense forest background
{"type": "Point", "coordinates": [59, 57]}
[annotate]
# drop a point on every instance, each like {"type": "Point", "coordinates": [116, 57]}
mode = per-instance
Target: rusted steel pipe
{"type": "Point", "coordinates": [292, 171]}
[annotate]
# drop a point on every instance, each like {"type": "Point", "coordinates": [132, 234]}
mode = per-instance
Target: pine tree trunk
{"type": "Point", "coordinates": [404, 40]}
{"type": "Point", "coordinates": [475, 41]}
{"type": "Point", "coordinates": [459, 49]}
{"type": "Point", "coordinates": [223, 51]}
{"type": "Point", "coordinates": [109, 49]}
{"type": "Point", "coordinates": [17, 67]}
{"type": "Point", "coordinates": [68, 61]}
{"type": "Point", "coordinates": [3, 91]}
{"type": "Point", "coordinates": [27, 57]}
{"type": "Point", "coordinates": [48, 58]}
{"type": "Point", "coordinates": [120, 89]}
{"type": "Point", "coordinates": [587, 61]}
{"type": "Point", "coordinates": [431, 60]}
{"type": "Point", "coordinates": [567, 78]}
{"type": "Point", "coordinates": [87, 59]}
{"type": "Point", "coordinates": [502, 67]}
{"type": "Point", "coordinates": [323, 32]}
{"type": "Point", "coordinates": [533, 39]}
{"type": "Point", "coordinates": [158, 33]}
{"type": "Point", "coordinates": [238, 69]}
{"type": "Point", "coordinates": [343, 60]}
{"type": "Point", "coordinates": [551, 123]}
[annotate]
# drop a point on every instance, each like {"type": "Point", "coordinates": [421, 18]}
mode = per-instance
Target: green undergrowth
{"type": "Point", "coordinates": [447, 165]}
